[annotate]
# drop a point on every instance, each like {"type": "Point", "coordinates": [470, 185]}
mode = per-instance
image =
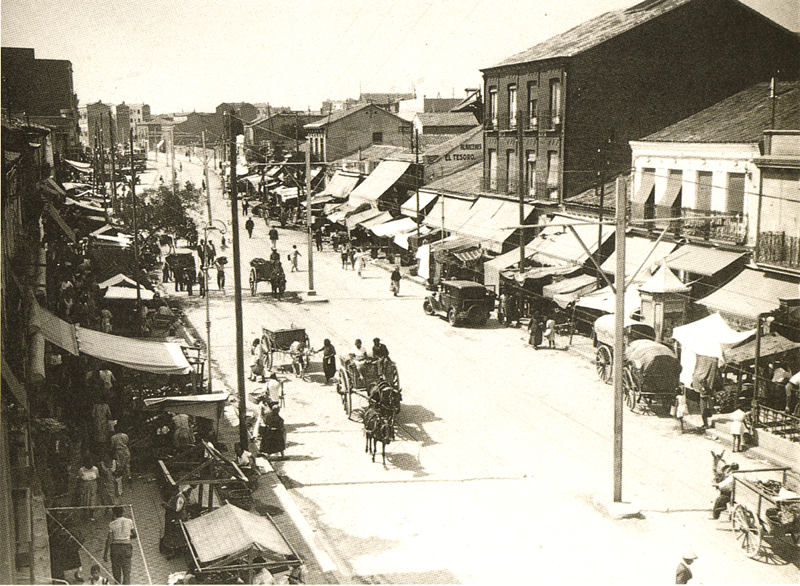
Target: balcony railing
{"type": "Point", "coordinates": [540, 192]}
{"type": "Point", "coordinates": [778, 248]}
{"type": "Point", "coordinates": [697, 224]}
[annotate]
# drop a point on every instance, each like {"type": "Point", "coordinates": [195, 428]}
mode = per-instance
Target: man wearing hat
{"type": "Point", "coordinates": [792, 387]}
{"type": "Point", "coordinates": [683, 574]}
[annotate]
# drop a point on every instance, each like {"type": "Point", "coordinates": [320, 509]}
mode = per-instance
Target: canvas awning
{"type": "Point", "coordinates": [642, 194]}
{"type": "Point", "coordinates": [535, 273]}
{"type": "Point", "coordinates": [664, 281]}
{"type": "Point", "coordinates": [426, 197]}
{"type": "Point", "coordinates": [356, 219]}
{"type": "Point", "coordinates": [229, 532]}
{"type": "Point", "coordinates": [394, 227]}
{"type": "Point", "coordinates": [557, 245]}
{"type": "Point", "coordinates": [54, 329]}
{"type": "Point", "coordinates": [605, 300]}
{"type": "Point", "coordinates": [751, 293]}
{"type": "Point", "coordinates": [144, 355]}
{"type": "Point", "coordinates": [16, 387]}
{"type": "Point", "coordinates": [118, 279]}
{"type": "Point", "coordinates": [60, 221]}
{"type": "Point", "coordinates": [83, 167]}
{"type": "Point", "coordinates": [340, 185]}
{"type": "Point", "coordinates": [771, 344]}
{"type": "Point", "coordinates": [568, 290]}
{"type": "Point", "coordinates": [376, 221]}
{"type": "Point", "coordinates": [454, 211]}
{"type": "Point", "coordinates": [638, 250]}
{"type": "Point", "coordinates": [709, 336]}
{"type": "Point", "coordinates": [701, 260]}
{"type": "Point", "coordinates": [666, 199]}
{"type": "Point", "coordinates": [492, 268]}
{"type": "Point", "coordinates": [401, 239]}
{"type": "Point", "coordinates": [489, 220]}
{"type": "Point", "coordinates": [379, 181]}
{"type": "Point", "coordinates": [469, 255]}
{"type": "Point", "coordinates": [114, 292]}
{"type": "Point", "coordinates": [209, 405]}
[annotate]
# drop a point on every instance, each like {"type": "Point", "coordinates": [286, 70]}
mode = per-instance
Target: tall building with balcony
{"type": "Point", "coordinates": [574, 102]}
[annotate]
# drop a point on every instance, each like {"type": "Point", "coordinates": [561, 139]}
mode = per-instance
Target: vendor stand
{"type": "Point", "coordinates": [229, 544]}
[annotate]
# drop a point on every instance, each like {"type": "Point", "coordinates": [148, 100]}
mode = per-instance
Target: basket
{"type": "Point", "coordinates": [783, 520]}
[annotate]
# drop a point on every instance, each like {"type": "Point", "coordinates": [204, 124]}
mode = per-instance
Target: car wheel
{"type": "Point", "coordinates": [427, 307]}
{"type": "Point", "coordinates": [451, 316]}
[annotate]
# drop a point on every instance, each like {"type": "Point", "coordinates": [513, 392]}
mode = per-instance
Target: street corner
{"type": "Point", "coordinates": [616, 511]}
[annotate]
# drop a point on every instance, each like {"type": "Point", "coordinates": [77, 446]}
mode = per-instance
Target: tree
{"type": "Point", "coordinates": [161, 212]}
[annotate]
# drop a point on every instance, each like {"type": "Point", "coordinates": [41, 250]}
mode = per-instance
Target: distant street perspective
{"type": "Point", "coordinates": [546, 330]}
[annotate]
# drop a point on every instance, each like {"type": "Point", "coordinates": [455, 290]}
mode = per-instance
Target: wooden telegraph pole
{"type": "Point", "coordinates": [112, 140]}
{"type": "Point", "coordinates": [311, 291]}
{"type": "Point", "coordinates": [521, 190]}
{"type": "Point", "coordinates": [619, 343]}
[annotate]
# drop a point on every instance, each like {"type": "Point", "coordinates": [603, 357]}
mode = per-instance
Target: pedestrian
{"type": "Point", "coordinates": [274, 256]}
{"type": "Point", "coordinates": [107, 484]}
{"type": "Point", "coordinates": [182, 434]}
{"type": "Point", "coordinates": [502, 307]}
{"type": "Point", "coordinates": [681, 409]}
{"type": "Point", "coordinates": [550, 332]}
{"type": "Point", "coordinates": [318, 239]}
{"type": "Point", "coordinates": [395, 281]}
{"type": "Point", "coordinates": [95, 577]}
{"type": "Point", "coordinates": [271, 390]}
{"type": "Point", "coordinates": [256, 361]}
{"type": "Point", "coordinates": [223, 243]}
{"type": "Point", "coordinates": [706, 404]}
{"type": "Point", "coordinates": [211, 253]}
{"type": "Point", "coordinates": [273, 433]}
{"type": "Point", "coordinates": [345, 254]}
{"type": "Point", "coordinates": [65, 550]}
{"type": "Point", "coordinates": [361, 262]}
{"type": "Point", "coordinates": [179, 279]}
{"type": "Point", "coordinates": [174, 512]}
{"type": "Point", "coordinates": [535, 331]}
{"type": "Point", "coordinates": [351, 257]}
{"type": "Point", "coordinates": [294, 257]}
{"type": "Point", "coordinates": [189, 278]}
{"type": "Point", "coordinates": [107, 378]}
{"type": "Point", "coordinates": [101, 426]}
{"type": "Point", "coordinates": [220, 274]}
{"type": "Point", "coordinates": [683, 574]}
{"type": "Point", "coordinates": [725, 487]}
{"type": "Point", "coordinates": [118, 543]}
{"type": "Point", "coordinates": [201, 281]}
{"type": "Point", "coordinates": [792, 388]}
{"type": "Point", "coordinates": [122, 458]}
{"type": "Point", "coordinates": [87, 487]}
{"type": "Point", "coordinates": [737, 429]}
{"type": "Point", "coordinates": [273, 237]}
{"type": "Point", "coordinates": [245, 206]}
{"type": "Point", "coordinates": [249, 225]}
{"type": "Point", "coordinates": [106, 315]}
{"type": "Point", "coordinates": [165, 272]}
{"type": "Point", "coordinates": [328, 360]}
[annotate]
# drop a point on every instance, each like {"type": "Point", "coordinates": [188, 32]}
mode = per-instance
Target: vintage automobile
{"type": "Point", "coordinates": [461, 301]}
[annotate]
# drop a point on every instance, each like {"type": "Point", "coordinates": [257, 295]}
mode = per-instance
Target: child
{"type": "Point", "coordinates": [681, 410]}
{"type": "Point", "coordinates": [95, 577]}
{"type": "Point", "coordinates": [550, 332]}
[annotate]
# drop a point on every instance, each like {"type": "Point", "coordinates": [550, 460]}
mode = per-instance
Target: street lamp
{"type": "Point", "coordinates": [206, 228]}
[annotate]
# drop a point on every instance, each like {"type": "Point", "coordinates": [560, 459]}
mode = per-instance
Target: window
{"type": "Point", "coordinates": [703, 196]}
{"type": "Point", "coordinates": [553, 175]}
{"type": "Point", "coordinates": [735, 202]}
{"type": "Point", "coordinates": [493, 106]}
{"type": "Point", "coordinates": [377, 138]}
{"type": "Point", "coordinates": [533, 121]}
{"type": "Point", "coordinates": [510, 171]}
{"type": "Point", "coordinates": [512, 106]}
{"type": "Point", "coordinates": [555, 102]}
{"type": "Point", "coordinates": [492, 169]}
{"type": "Point", "coordinates": [530, 172]}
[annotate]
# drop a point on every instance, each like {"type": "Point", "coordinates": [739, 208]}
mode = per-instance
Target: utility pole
{"type": "Point", "coordinates": [311, 291]}
{"type": "Point", "coordinates": [416, 178]}
{"type": "Point", "coordinates": [237, 282]}
{"type": "Point", "coordinates": [135, 232]}
{"type": "Point", "coordinates": [521, 190]}
{"type": "Point", "coordinates": [619, 342]}
{"type": "Point", "coordinates": [112, 140]}
{"type": "Point", "coordinates": [205, 264]}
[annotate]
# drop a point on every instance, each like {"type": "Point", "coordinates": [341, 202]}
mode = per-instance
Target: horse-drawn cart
{"type": "Point", "coordinates": [762, 506]}
{"type": "Point", "coordinates": [652, 374]}
{"type": "Point", "coordinates": [267, 270]}
{"type": "Point", "coordinates": [280, 342]}
{"type": "Point", "coordinates": [603, 340]}
{"type": "Point", "coordinates": [352, 380]}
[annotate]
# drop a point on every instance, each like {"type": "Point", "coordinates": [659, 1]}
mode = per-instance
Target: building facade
{"type": "Point", "coordinates": [99, 120]}
{"type": "Point", "coordinates": [576, 100]}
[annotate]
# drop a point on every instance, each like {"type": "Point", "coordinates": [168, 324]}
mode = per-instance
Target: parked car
{"type": "Point", "coordinates": [461, 302]}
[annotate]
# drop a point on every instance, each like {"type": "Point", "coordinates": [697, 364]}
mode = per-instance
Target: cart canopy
{"type": "Point", "coordinates": [656, 363]}
{"type": "Point", "coordinates": [230, 532]}
{"type": "Point", "coordinates": [209, 405]}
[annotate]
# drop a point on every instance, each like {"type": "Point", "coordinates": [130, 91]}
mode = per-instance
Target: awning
{"type": "Point", "coordinates": [426, 197]}
{"type": "Point", "coordinates": [666, 199]}
{"type": "Point", "coordinates": [54, 329]}
{"type": "Point", "coordinates": [637, 250]}
{"type": "Point", "coordinates": [568, 290]}
{"type": "Point", "coordinates": [376, 221]}
{"type": "Point", "coordinates": [128, 293]}
{"type": "Point", "coordinates": [60, 221]}
{"type": "Point", "coordinates": [557, 245]}
{"type": "Point", "coordinates": [664, 281]}
{"type": "Point", "coordinates": [752, 292]}
{"type": "Point", "coordinates": [356, 219]}
{"type": "Point", "coordinates": [709, 336]}
{"type": "Point", "coordinates": [606, 300]}
{"type": "Point", "coordinates": [17, 388]}
{"type": "Point", "coordinates": [118, 279]}
{"type": "Point", "coordinates": [454, 211]}
{"type": "Point", "coordinates": [380, 181]}
{"type": "Point", "coordinates": [84, 167]}
{"type": "Point", "coordinates": [402, 239]}
{"type": "Point", "coordinates": [288, 193]}
{"type": "Point", "coordinates": [492, 268]}
{"type": "Point", "coordinates": [701, 260]}
{"type": "Point", "coordinates": [771, 344]}
{"type": "Point", "coordinates": [642, 194]}
{"type": "Point", "coordinates": [144, 355]}
{"type": "Point", "coordinates": [469, 255]}
{"type": "Point", "coordinates": [229, 532]}
{"type": "Point", "coordinates": [394, 227]}
{"type": "Point", "coordinates": [209, 406]}
{"type": "Point", "coordinates": [489, 220]}
{"type": "Point", "coordinates": [535, 273]}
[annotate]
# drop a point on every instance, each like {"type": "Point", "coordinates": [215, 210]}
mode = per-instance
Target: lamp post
{"type": "Point", "coordinates": [206, 228]}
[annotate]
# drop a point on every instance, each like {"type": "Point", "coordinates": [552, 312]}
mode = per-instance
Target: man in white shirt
{"type": "Point", "coordinates": [359, 355]}
{"type": "Point", "coordinates": [118, 543]}
{"type": "Point", "coordinates": [791, 392]}
{"type": "Point", "coordinates": [272, 389]}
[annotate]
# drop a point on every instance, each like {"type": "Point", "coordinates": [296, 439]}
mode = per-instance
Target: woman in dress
{"type": "Point", "coordinates": [328, 360]}
{"type": "Point", "coordinates": [87, 486]}
{"type": "Point", "coordinates": [273, 432]}
{"type": "Point", "coordinates": [107, 483]}
{"type": "Point", "coordinates": [122, 458]}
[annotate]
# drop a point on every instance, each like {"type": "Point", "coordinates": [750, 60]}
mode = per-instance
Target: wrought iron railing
{"type": "Point", "coordinates": [697, 224]}
{"type": "Point", "coordinates": [778, 423]}
{"type": "Point", "coordinates": [778, 248]}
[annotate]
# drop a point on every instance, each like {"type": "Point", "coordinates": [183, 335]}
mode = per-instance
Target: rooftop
{"type": "Point", "coordinates": [339, 114]}
{"type": "Point", "coordinates": [437, 150]}
{"type": "Point", "coordinates": [466, 181]}
{"type": "Point", "coordinates": [742, 118]}
{"type": "Point", "coordinates": [447, 119]}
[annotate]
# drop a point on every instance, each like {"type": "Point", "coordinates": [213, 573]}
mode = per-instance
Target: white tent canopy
{"type": "Point", "coordinates": [709, 336]}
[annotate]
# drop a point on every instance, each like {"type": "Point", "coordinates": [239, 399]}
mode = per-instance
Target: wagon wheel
{"type": "Point", "coordinates": [253, 282]}
{"type": "Point", "coordinates": [343, 387]}
{"type": "Point", "coordinates": [451, 316]}
{"type": "Point", "coordinates": [268, 355]}
{"type": "Point", "coordinates": [629, 390]}
{"type": "Point", "coordinates": [604, 364]}
{"type": "Point", "coordinates": [390, 374]}
{"type": "Point", "coordinates": [747, 530]}
{"type": "Point", "coordinates": [427, 307]}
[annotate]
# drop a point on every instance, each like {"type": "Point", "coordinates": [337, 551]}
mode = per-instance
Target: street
{"type": "Point", "coordinates": [501, 450]}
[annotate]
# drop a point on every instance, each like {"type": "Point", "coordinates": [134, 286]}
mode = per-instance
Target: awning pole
{"type": "Point", "coordinates": [619, 342]}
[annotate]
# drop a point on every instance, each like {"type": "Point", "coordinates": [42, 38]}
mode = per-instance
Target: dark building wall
{"type": "Point", "coordinates": [97, 116]}
{"type": "Point", "coordinates": [123, 123]}
{"type": "Point", "coordinates": [38, 87]}
{"type": "Point", "coordinates": [346, 135]}
{"type": "Point", "coordinates": [191, 131]}
{"type": "Point", "coordinates": [247, 112]}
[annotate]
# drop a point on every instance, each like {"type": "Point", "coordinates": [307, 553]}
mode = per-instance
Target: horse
{"type": "Point", "coordinates": [718, 466]}
{"type": "Point", "coordinates": [377, 428]}
{"type": "Point", "coordinates": [385, 398]}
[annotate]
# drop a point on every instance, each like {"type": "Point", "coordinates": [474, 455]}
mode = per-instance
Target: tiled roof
{"type": "Point", "coordinates": [742, 118]}
{"type": "Point", "coordinates": [377, 152]}
{"type": "Point", "coordinates": [452, 142]}
{"type": "Point", "coordinates": [594, 32]}
{"type": "Point", "coordinates": [385, 98]}
{"type": "Point", "coordinates": [591, 198]}
{"type": "Point", "coordinates": [466, 181]}
{"type": "Point", "coordinates": [338, 115]}
{"type": "Point", "coordinates": [447, 119]}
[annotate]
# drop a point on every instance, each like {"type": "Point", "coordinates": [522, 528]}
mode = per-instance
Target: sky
{"type": "Point", "coordinates": [193, 55]}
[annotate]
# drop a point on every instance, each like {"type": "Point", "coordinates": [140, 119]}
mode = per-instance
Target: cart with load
{"type": "Point", "coordinates": [762, 507]}
{"type": "Point", "coordinates": [350, 380]}
{"type": "Point", "coordinates": [267, 270]}
{"type": "Point", "coordinates": [603, 341]}
{"type": "Point", "coordinates": [652, 373]}
{"type": "Point", "coordinates": [280, 342]}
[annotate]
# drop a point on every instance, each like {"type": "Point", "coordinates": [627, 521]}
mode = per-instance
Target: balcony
{"type": "Point", "coordinates": [698, 224]}
{"type": "Point", "coordinates": [500, 185]}
{"type": "Point", "coordinates": [779, 249]}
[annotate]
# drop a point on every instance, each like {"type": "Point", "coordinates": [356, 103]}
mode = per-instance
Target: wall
{"type": "Point", "coordinates": [461, 156]}
{"type": "Point", "coordinates": [39, 87]}
{"type": "Point", "coordinates": [346, 135]}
